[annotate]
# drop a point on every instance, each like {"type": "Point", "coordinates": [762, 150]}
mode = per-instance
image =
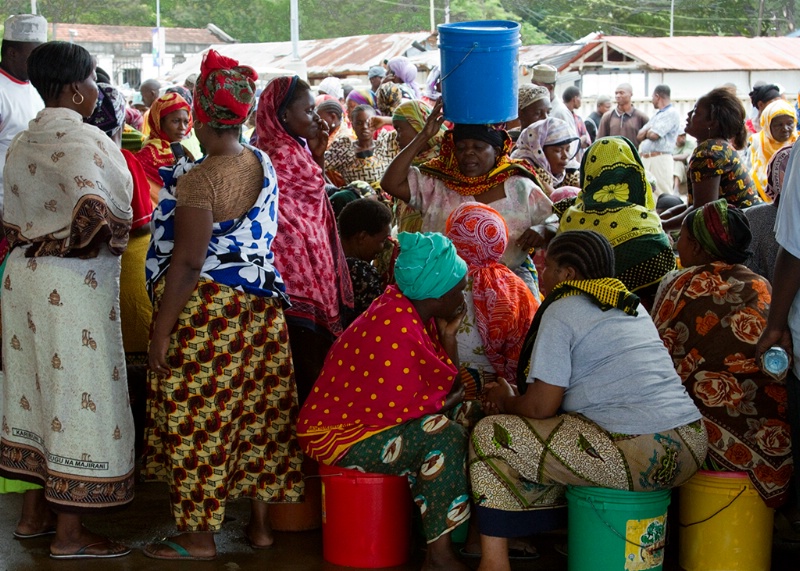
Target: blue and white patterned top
{"type": "Point", "coordinates": [667, 123]}
{"type": "Point", "coordinates": [239, 253]}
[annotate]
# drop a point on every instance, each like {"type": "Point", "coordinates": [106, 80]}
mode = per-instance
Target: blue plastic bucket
{"type": "Point", "coordinates": [480, 70]}
{"type": "Point", "coordinates": [611, 530]}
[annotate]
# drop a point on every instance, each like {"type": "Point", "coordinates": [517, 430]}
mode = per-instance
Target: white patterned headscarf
{"type": "Point", "coordinates": [544, 133]}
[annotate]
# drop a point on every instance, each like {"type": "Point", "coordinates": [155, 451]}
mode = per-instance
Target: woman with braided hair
{"type": "Point", "coordinates": [627, 423]}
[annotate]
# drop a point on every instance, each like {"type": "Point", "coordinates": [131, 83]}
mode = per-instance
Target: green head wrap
{"type": "Point", "coordinates": [722, 230]}
{"type": "Point", "coordinates": [428, 265]}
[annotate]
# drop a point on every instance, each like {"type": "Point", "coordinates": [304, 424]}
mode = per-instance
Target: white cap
{"type": "Point", "coordinates": [25, 28]}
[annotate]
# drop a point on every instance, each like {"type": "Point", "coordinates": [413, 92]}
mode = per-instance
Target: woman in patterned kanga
{"type": "Point", "coordinates": [222, 397]}
{"type": "Point", "coordinates": [627, 422]}
{"type": "Point", "coordinates": [66, 421]}
{"type": "Point", "coordinates": [710, 316]}
{"type": "Point", "coordinates": [389, 398]}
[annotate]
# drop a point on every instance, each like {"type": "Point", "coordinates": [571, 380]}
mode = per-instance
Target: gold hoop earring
{"type": "Point", "coordinates": [77, 102]}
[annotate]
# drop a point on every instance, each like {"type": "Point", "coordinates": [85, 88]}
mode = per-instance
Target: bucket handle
{"type": "Point", "coordinates": [322, 476]}
{"type": "Point", "coordinates": [474, 45]}
{"type": "Point", "coordinates": [649, 548]}
{"type": "Point", "coordinates": [720, 510]}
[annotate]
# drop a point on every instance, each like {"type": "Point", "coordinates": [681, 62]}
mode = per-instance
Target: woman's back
{"type": "Point", "coordinates": [614, 367]}
{"type": "Point", "coordinates": [228, 186]}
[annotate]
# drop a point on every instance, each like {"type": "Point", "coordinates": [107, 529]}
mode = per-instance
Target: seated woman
{"type": "Point", "coordinates": [617, 201]}
{"type": "Point", "coordinates": [474, 166]}
{"type": "Point", "coordinates": [170, 121]}
{"type": "Point", "coordinates": [627, 422]}
{"type": "Point", "coordinates": [550, 146]}
{"type": "Point", "coordinates": [710, 316]}
{"type": "Point", "coordinates": [500, 307]}
{"type": "Point", "coordinates": [389, 390]}
{"type": "Point", "coordinates": [715, 169]}
{"type": "Point", "coordinates": [778, 129]}
{"type": "Point", "coordinates": [364, 228]}
{"type": "Point", "coordinates": [365, 158]}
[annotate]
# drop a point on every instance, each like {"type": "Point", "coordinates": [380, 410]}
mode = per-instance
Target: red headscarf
{"type": "Point", "coordinates": [156, 152]}
{"type": "Point", "coordinates": [307, 249]}
{"type": "Point", "coordinates": [504, 306]}
{"type": "Point", "coordinates": [223, 94]}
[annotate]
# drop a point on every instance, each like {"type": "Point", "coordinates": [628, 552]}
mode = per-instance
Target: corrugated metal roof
{"type": "Point", "coordinates": [702, 53]}
{"type": "Point", "coordinates": [351, 55]}
{"type": "Point", "coordinates": [88, 33]}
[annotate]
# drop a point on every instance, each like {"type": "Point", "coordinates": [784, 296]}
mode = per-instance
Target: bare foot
{"type": "Point", "coordinates": [440, 556]}
{"type": "Point", "coordinates": [258, 531]}
{"type": "Point", "coordinates": [36, 519]}
{"type": "Point", "coordinates": [196, 544]}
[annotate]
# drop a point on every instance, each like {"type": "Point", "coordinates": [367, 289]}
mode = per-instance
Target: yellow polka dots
{"type": "Point", "coordinates": [336, 399]}
{"type": "Point", "coordinates": [339, 362]}
{"type": "Point", "coordinates": [387, 321]}
{"type": "Point", "coordinates": [316, 389]}
{"type": "Point", "coordinates": [364, 334]}
{"type": "Point", "coordinates": [380, 415]}
{"type": "Point", "coordinates": [358, 389]}
{"type": "Point", "coordinates": [405, 410]}
{"type": "Point", "coordinates": [313, 407]}
{"type": "Point", "coordinates": [400, 309]}
{"type": "Point", "coordinates": [366, 373]}
{"type": "Point", "coordinates": [395, 345]}
{"type": "Point", "coordinates": [381, 380]}
{"type": "Point", "coordinates": [368, 409]}
{"type": "Point", "coordinates": [421, 361]}
{"type": "Point", "coordinates": [399, 388]}
{"type": "Point", "coordinates": [327, 411]}
{"type": "Point", "coordinates": [406, 370]}
{"type": "Point", "coordinates": [404, 330]}
{"type": "Point", "coordinates": [358, 351]}
{"type": "Point", "coordinates": [378, 339]}
{"type": "Point", "coordinates": [374, 317]}
{"type": "Point", "coordinates": [352, 368]}
{"type": "Point", "coordinates": [388, 363]}
{"type": "Point", "coordinates": [346, 385]}
{"type": "Point", "coordinates": [372, 356]}
{"type": "Point", "coordinates": [409, 310]}
{"type": "Point", "coordinates": [344, 415]}
{"type": "Point", "coordinates": [346, 345]}
{"type": "Point", "coordinates": [373, 396]}
{"type": "Point", "coordinates": [413, 354]}
{"type": "Point", "coordinates": [424, 397]}
{"type": "Point", "coordinates": [437, 371]}
{"type": "Point", "coordinates": [391, 404]}
{"type": "Point", "coordinates": [399, 420]}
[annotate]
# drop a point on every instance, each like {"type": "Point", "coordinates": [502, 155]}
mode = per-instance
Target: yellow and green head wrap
{"type": "Point", "coordinates": [428, 265]}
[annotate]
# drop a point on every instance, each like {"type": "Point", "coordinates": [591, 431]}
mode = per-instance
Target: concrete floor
{"type": "Point", "coordinates": [149, 518]}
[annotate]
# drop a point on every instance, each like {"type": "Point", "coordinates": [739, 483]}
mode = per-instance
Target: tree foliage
{"type": "Point", "coordinates": [554, 20]}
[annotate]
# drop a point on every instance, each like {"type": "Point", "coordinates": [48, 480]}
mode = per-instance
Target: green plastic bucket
{"type": "Point", "coordinates": [611, 530]}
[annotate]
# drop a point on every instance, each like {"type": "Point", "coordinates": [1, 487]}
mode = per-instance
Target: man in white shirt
{"type": "Point", "coordinates": [545, 76]}
{"type": "Point", "coordinates": [657, 140]}
{"type": "Point", "coordinates": [19, 101]}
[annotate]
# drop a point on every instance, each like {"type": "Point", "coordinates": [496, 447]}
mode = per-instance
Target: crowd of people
{"type": "Point", "coordinates": [495, 312]}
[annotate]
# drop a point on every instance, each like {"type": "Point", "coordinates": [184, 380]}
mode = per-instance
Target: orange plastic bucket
{"type": "Point", "coordinates": [366, 518]}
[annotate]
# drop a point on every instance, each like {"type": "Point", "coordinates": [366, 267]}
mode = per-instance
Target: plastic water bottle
{"type": "Point", "coordinates": [775, 362]}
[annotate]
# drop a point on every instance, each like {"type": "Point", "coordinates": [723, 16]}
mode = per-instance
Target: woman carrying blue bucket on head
{"type": "Point", "coordinates": [474, 166]}
{"type": "Point", "coordinates": [627, 422]}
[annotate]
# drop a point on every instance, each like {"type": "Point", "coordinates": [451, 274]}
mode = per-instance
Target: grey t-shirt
{"type": "Point", "coordinates": [613, 366]}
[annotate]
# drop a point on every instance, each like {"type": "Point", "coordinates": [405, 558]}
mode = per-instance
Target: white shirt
{"type": "Point", "coordinates": [19, 104]}
{"type": "Point", "coordinates": [787, 235]}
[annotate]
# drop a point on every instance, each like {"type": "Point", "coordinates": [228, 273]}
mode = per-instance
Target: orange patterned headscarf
{"type": "Point", "coordinates": [156, 152]}
{"type": "Point", "coordinates": [445, 168]}
{"type": "Point", "coordinates": [504, 306]}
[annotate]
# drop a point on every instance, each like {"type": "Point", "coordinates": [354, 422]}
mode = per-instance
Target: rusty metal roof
{"type": "Point", "coordinates": [86, 34]}
{"type": "Point", "coordinates": [691, 53]}
{"type": "Point", "coordinates": [350, 55]}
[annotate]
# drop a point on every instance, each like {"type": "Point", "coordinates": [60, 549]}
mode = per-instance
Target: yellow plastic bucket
{"type": "Point", "coordinates": [724, 524]}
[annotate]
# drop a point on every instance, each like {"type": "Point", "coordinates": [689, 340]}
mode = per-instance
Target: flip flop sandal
{"type": "Point", "coordinates": [50, 531]}
{"type": "Point", "coordinates": [183, 555]}
{"type": "Point", "coordinates": [81, 553]}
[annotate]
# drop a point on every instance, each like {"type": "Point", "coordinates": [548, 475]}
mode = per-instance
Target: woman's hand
{"type": "Point", "coordinates": [495, 395]}
{"type": "Point", "coordinates": [157, 355]}
{"type": "Point", "coordinates": [378, 121]}
{"type": "Point", "coordinates": [319, 144]}
{"type": "Point", "coordinates": [434, 122]}
{"type": "Point", "coordinates": [448, 327]}
{"type": "Point", "coordinates": [533, 237]}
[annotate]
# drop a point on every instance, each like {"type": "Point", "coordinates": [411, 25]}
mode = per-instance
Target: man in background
{"type": "Point", "coordinates": [684, 147]}
{"type": "Point", "coordinates": [657, 140]}
{"type": "Point", "coordinates": [19, 100]}
{"type": "Point", "coordinates": [624, 120]}
{"type": "Point", "coordinates": [592, 122]}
